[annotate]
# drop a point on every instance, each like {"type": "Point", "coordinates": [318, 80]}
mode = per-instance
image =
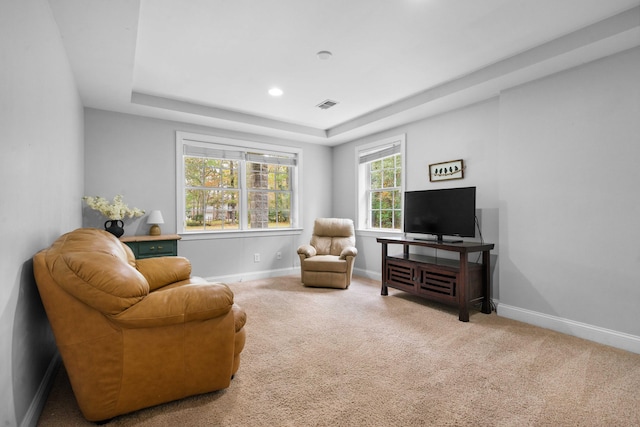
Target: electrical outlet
{"type": "Point", "coordinates": [278, 255]}
{"type": "Point", "coordinates": [256, 257]}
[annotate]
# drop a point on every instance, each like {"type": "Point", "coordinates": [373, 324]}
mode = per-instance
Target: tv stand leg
{"type": "Point", "coordinates": [463, 288]}
{"type": "Point", "coordinates": [486, 277]}
{"type": "Point", "coordinates": [385, 291]}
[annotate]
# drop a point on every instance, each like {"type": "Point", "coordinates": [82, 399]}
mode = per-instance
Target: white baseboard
{"type": "Point", "coordinates": [368, 274]}
{"type": "Point", "coordinates": [241, 277]}
{"type": "Point", "coordinates": [40, 399]}
{"type": "Point", "coordinates": [577, 329]}
{"type": "Point", "coordinates": [255, 275]}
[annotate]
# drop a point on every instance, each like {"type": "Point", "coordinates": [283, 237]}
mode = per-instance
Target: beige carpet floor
{"type": "Point", "coordinates": [326, 357]}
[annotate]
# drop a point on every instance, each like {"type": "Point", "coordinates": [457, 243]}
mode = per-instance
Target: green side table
{"type": "Point", "coordinates": [152, 246]}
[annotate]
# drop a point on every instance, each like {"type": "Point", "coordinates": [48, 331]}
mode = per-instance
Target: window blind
{"type": "Point", "coordinates": [213, 152]}
{"type": "Point", "coordinates": [271, 159]}
{"type": "Point", "coordinates": [218, 152]}
{"type": "Point", "coordinates": [379, 153]}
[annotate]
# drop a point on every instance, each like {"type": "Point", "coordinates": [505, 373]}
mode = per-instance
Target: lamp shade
{"type": "Point", "coordinates": [155, 217]}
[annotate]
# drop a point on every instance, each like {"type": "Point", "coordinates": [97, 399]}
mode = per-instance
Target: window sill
{"type": "Point", "coordinates": [378, 233]}
{"type": "Point", "coordinates": [236, 234]}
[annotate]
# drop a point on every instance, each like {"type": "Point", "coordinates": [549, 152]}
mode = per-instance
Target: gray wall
{"type": "Point", "coordinates": [555, 164]}
{"type": "Point", "coordinates": [569, 197]}
{"type": "Point", "coordinates": [434, 140]}
{"type": "Point", "coordinates": [41, 176]}
{"type": "Point", "coordinates": [135, 156]}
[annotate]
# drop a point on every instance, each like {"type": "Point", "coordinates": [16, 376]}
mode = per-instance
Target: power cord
{"type": "Point", "coordinates": [491, 303]}
{"type": "Point", "coordinates": [479, 231]}
{"type": "Point", "coordinates": [481, 238]}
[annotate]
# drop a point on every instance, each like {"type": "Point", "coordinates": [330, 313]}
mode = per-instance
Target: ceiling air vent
{"type": "Point", "coordinates": [324, 105]}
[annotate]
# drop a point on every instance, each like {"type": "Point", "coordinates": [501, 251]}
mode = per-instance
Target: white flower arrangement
{"type": "Point", "coordinates": [113, 211]}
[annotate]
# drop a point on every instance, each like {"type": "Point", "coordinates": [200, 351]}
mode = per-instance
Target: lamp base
{"type": "Point", "coordinates": [154, 230]}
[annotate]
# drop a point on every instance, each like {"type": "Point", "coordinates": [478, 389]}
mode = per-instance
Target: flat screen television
{"type": "Point", "coordinates": [439, 213]}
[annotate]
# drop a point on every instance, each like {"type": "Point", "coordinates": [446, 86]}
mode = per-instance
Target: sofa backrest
{"type": "Point", "coordinates": [93, 266]}
{"type": "Point", "coordinates": [332, 235]}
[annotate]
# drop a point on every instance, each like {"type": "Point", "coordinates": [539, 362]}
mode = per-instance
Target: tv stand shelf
{"type": "Point", "coordinates": [454, 282]}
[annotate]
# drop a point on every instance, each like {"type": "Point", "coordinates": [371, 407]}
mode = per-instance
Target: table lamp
{"type": "Point", "coordinates": [155, 218]}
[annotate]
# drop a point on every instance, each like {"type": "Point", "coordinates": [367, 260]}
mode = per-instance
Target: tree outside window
{"type": "Point", "coordinates": [385, 209]}
{"type": "Point", "coordinates": [211, 194]}
{"type": "Point", "coordinates": [269, 195]}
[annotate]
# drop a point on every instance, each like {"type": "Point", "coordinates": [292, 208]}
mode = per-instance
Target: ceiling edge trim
{"type": "Point", "coordinates": [607, 28]}
{"type": "Point", "coordinates": [220, 113]}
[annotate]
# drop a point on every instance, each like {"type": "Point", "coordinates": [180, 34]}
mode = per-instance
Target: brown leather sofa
{"type": "Point", "coordinates": [327, 261]}
{"type": "Point", "coordinates": [135, 333]}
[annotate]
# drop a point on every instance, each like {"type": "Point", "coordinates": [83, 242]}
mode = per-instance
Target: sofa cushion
{"type": "Point", "coordinates": [163, 271]}
{"type": "Point", "coordinates": [170, 306]}
{"type": "Point", "coordinates": [90, 278]}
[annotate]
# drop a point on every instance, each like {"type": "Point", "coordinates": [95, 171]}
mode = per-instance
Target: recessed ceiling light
{"type": "Point", "coordinates": [274, 91]}
{"type": "Point", "coordinates": [324, 54]}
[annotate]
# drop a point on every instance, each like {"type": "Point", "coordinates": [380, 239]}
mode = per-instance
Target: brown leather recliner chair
{"type": "Point", "coordinates": [135, 333]}
{"type": "Point", "coordinates": [328, 260]}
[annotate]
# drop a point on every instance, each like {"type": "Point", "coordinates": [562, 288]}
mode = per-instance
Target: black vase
{"type": "Point", "coordinates": [115, 227]}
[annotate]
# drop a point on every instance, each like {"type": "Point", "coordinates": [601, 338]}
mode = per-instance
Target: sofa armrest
{"type": "Point", "coordinates": [348, 251]}
{"type": "Point", "coordinates": [307, 250]}
{"type": "Point", "coordinates": [239, 317]}
{"type": "Point", "coordinates": [178, 305]}
{"type": "Point", "coordinates": [162, 271]}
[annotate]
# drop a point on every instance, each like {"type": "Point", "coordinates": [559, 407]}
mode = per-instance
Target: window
{"type": "Point", "coordinates": [230, 185]}
{"type": "Point", "coordinates": [380, 184]}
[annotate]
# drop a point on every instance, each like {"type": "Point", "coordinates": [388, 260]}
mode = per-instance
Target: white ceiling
{"type": "Point", "coordinates": [211, 62]}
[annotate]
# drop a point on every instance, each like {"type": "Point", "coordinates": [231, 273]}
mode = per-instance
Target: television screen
{"type": "Point", "coordinates": [444, 212]}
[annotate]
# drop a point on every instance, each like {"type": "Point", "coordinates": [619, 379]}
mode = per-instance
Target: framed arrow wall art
{"type": "Point", "coordinates": [453, 169]}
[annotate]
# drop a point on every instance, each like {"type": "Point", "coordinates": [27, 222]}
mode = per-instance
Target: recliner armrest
{"type": "Point", "coordinates": [178, 305]}
{"type": "Point", "coordinates": [307, 250]}
{"type": "Point", "coordinates": [162, 271]}
{"type": "Point", "coordinates": [349, 251]}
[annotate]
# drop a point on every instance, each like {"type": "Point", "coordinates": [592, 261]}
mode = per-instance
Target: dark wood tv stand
{"type": "Point", "coordinates": [454, 282]}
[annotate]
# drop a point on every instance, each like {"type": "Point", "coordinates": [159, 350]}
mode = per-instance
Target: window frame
{"type": "Point", "coordinates": [212, 142]}
{"type": "Point", "coordinates": [363, 190]}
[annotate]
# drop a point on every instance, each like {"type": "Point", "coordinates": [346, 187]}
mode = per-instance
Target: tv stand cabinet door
{"type": "Point", "coordinates": [437, 284]}
{"type": "Point", "coordinates": [401, 275]}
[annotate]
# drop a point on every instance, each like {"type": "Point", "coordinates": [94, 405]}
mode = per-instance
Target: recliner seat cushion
{"type": "Point", "coordinates": [326, 263]}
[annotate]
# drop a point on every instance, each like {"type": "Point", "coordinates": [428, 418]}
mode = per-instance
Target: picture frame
{"type": "Point", "coordinates": [453, 169]}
